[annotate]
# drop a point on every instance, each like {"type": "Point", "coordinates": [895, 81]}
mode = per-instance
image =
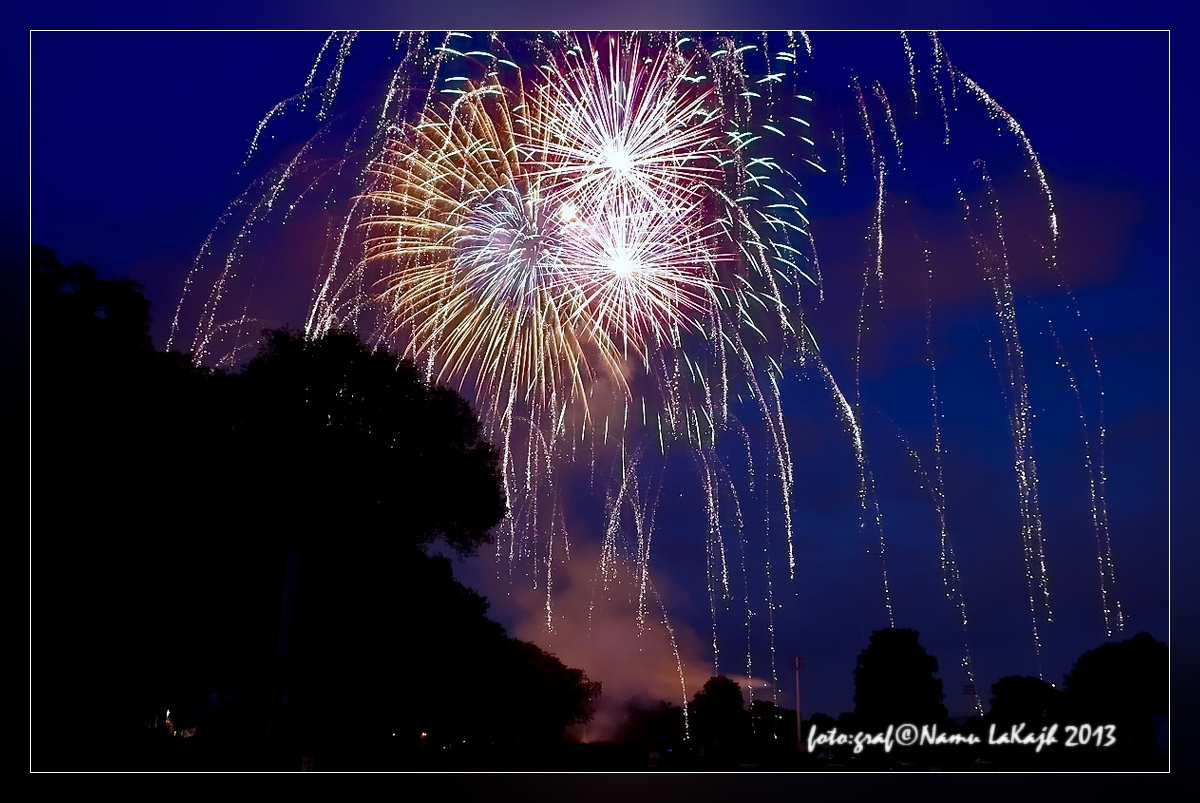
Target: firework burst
{"type": "Point", "coordinates": [597, 240]}
{"type": "Point", "coordinates": [541, 235]}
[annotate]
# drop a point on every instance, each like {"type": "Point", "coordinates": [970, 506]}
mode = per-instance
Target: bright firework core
{"type": "Point", "coordinates": [505, 251]}
{"type": "Point", "coordinates": [623, 266]}
{"type": "Point", "coordinates": [617, 159]}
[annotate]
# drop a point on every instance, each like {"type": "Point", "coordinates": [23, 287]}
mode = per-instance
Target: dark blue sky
{"type": "Point", "coordinates": [137, 140]}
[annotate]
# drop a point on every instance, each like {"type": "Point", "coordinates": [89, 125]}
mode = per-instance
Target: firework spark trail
{"type": "Point", "coordinates": [881, 95]}
{"type": "Point", "coordinates": [324, 315]}
{"type": "Point", "coordinates": [678, 660]}
{"type": "Point", "coordinates": [787, 479]}
{"type": "Point", "coordinates": [867, 494]}
{"type": "Point", "coordinates": [804, 37]}
{"type": "Point", "coordinates": [507, 527]}
{"type": "Point", "coordinates": [767, 570]}
{"type": "Point", "coordinates": [278, 108]}
{"type": "Point", "coordinates": [995, 264]}
{"type": "Point", "coordinates": [996, 110]}
{"type": "Point", "coordinates": [1114, 616]}
{"type": "Point", "coordinates": [330, 88]}
{"type": "Point", "coordinates": [557, 526]}
{"type": "Point", "coordinates": [941, 63]}
{"type": "Point", "coordinates": [880, 167]}
{"type": "Point", "coordinates": [1020, 414]}
{"type": "Point", "coordinates": [550, 578]}
{"type": "Point", "coordinates": [197, 265]}
{"type": "Point", "coordinates": [207, 327]}
{"type": "Point", "coordinates": [951, 576]}
{"type": "Point", "coordinates": [312, 74]}
{"type": "Point", "coordinates": [740, 528]}
{"type": "Point", "coordinates": [839, 141]}
{"type": "Point", "coordinates": [645, 525]}
{"type": "Point", "coordinates": [1000, 276]}
{"type": "Point", "coordinates": [779, 446]}
{"type": "Point", "coordinates": [332, 308]}
{"type": "Point", "coordinates": [1101, 477]}
{"type": "Point", "coordinates": [1025, 549]}
{"type": "Point", "coordinates": [873, 494]}
{"type": "Point", "coordinates": [399, 89]}
{"type": "Point", "coordinates": [611, 554]}
{"type": "Point", "coordinates": [912, 69]}
{"type": "Point", "coordinates": [716, 563]}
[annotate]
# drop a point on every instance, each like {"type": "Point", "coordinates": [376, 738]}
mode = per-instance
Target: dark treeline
{"type": "Point", "coordinates": [255, 552]}
{"type": "Point", "coordinates": [716, 732]}
{"type": "Point", "coordinates": [1112, 705]}
{"type": "Point", "coordinates": [1120, 687]}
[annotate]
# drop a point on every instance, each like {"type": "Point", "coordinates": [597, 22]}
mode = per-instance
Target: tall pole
{"type": "Point", "coordinates": [798, 664]}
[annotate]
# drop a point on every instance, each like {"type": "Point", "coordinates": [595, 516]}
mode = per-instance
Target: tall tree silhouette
{"type": "Point", "coordinates": [720, 721]}
{"type": "Point", "coordinates": [895, 681]}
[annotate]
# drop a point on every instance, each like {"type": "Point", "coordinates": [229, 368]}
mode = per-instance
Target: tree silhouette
{"type": "Point", "coordinates": [400, 647]}
{"type": "Point", "coordinates": [1125, 683]}
{"type": "Point", "coordinates": [1017, 699]}
{"type": "Point", "coordinates": [79, 314]}
{"type": "Point", "coordinates": [773, 727]}
{"type": "Point", "coordinates": [109, 419]}
{"type": "Point", "coordinates": [895, 681]}
{"type": "Point", "coordinates": [652, 725]}
{"type": "Point", "coordinates": [248, 550]}
{"type": "Point", "coordinates": [719, 717]}
{"type": "Point", "coordinates": [373, 454]}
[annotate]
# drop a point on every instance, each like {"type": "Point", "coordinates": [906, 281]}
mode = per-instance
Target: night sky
{"type": "Point", "coordinates": [137, 147]}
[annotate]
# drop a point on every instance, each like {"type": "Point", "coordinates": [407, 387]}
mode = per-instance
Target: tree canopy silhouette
{"type": "Point", "coordinates": [111, 421]}
{"type": "Point", "coordinates": [172, 499]}
{"type": "Point", "coordinates": [895, 681]}
{"type": "Point", "coordinates": [78, 313]}
{"type": "Point", "coordinates": [1017, 699]}
{"type": "Point", "coordinates": [1125, 683]}
{"type": "Point", "coordinates": [652, 725]}
{"type": "Point", "coordinates": [361, 449]}
{"type": "Point", "coordinates": [719, 715]}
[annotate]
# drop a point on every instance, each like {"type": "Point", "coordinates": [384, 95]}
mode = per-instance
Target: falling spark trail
{"type": "Point", "coordinates": [941, 63]}
{"type": "Point", "coordinates": [951, 576]}
{"type": "Point", "coordinates": [996, 110]}
{"type": "Point", "coordinates": [912, 70]}
{"type": "Point", "coordinates": [879, 93]}
{"type": "Point", "coordinates": [867, 494]}
{"type": "Point", "coordinates": [1110, 603]}
{"type": "Point", "coordinates": [996, 267]}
